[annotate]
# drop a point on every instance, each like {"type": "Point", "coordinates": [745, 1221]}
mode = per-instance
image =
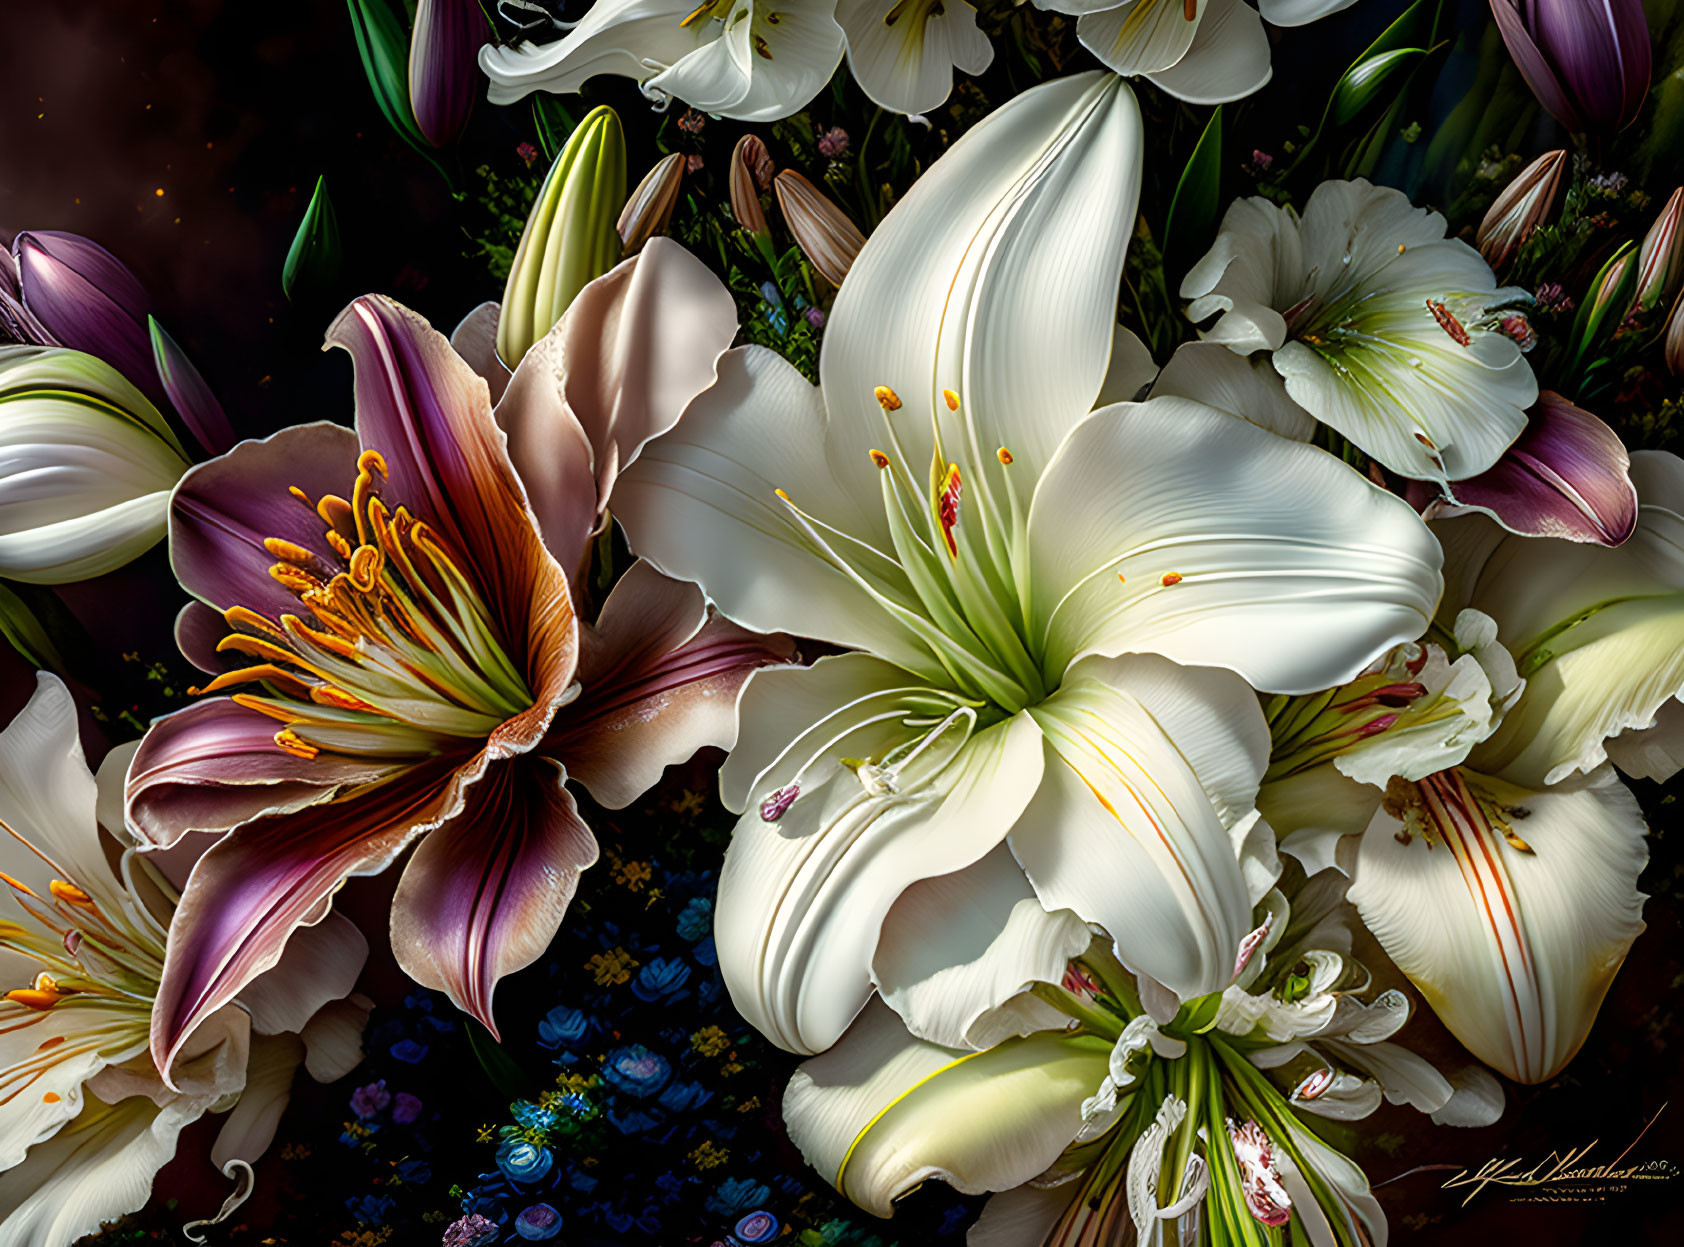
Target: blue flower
{"type": "Point", "coordinates": [371, 1209]}
{"type": "Point", "coordinates": [521, 1161]}
{"type": "Point", "coordinates": [563, 1025]}
{"type": "Point", "coordinates": [538, 1222]}
{"type": "Point", "coordinates": [684, 1095]}
{"type": "Point", "coordinates": [706, 953]}
{"type": "Point", "coordinates": [661, 977]}
{"type": "Point", "coordinates": [636, 1070]}
{"type": "Point", "coordinates": [759, 1226]}
{"type": "Point", "coordinates": [409, 1051]}
{"type": "Point", "coordinates": [530, 1116]}
{"type": "Point", "coordinates": [695, 921]}
{"type": "Point", "coordinates": [632, 1121]}
{"type": "Point", "coordinates": [735, 1196]}
{"type": "Point", "coordinates": [415, 1171]}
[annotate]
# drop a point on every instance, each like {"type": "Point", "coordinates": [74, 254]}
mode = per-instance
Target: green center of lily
{"type": "Point", "coordinates": [394, 654]}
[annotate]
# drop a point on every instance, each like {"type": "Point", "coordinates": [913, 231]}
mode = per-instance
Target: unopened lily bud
{"type": "Point", "coordinates": [1525, 204]}
{"type": "Point", "coordinates": [87, 299]}
{"type": "Point", "coordinates": [650, 207]}
{"type": "Point", "coordinates": [570, 239]}
{"type": "Point", "coordinates": [1675, 342]}
{"type": "Point", "coordinates": [444, 77]}
{"type": "Point", "coordinates": [86, 466]}
{"type": "Point", "coordinates": [751, 173]}
{"type": "Point", "coordinates": [825, 234]}
{"type": "Point", "coordinates": [1660, 262]}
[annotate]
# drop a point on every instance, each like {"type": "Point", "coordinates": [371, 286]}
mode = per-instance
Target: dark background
{"type": "Point", "coordinates": [187, 136]}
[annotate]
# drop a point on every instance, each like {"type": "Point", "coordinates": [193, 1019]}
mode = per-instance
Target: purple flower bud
{"type": "Point", "coordinates": [833, 143]}
{"type": "Point", "coordinates": [368, 1100]}
{"type": "Point", "coordinates": [1660, 262]}
{"type": "Point", "coordinates": [1587, 61]}
{"type": "Point", "coordinates": [405, 1108]}
{"type": "Point", "coordinates": [87, 299]}
{"type": "Point", "coordinates": [444, 78]}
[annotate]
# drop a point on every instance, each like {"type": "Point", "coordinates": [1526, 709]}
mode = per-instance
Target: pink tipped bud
{"type": "Point", "coordinates": [1249, 946]}
{"type": "Point", "coordinates": [1525, 204]}
{"type": "Point", "coordinates": [825, 234]}
{"type": "Point", "coordinates": [650, 207]}
{"type": "Point", "coordinates": [1260, 1181]}
{"type": "Point", "coordinates": [1660, 262]}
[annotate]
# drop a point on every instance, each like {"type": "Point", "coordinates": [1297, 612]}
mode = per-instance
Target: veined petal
{"type": "Point", "coordinates": [1514, 948]}
{"type": "Point", "coordinates": [767, 64]}
{"type": "Point", "coordinates": [959, 951]}
{"type": "Point", "coordinates": [46, 1057]}
{"type": "Point", "coordinates": [1227, 60]}
{"type": "Point", "coordinates": [1141, 36]}
{"type": "Point", "coordinates": [269, 877]}
{"type": "Point", "coordinates": [623, 37]}
{"type": "Point", "coordinates": [1021, 1217]}
{"type": "Point", "coordinates": [429, 416]}
{"type": "Point", "coordinates": [215, 765]}
{"type": "Point", "coordinates": [1596, 632]}
{"type": "Point", "coordinates": [882, 1111]}
{"type": "Point", "coordinates": [486, 890]}
{"type": "Point", "coordinates": [333, 1039]}
{"type": "Point", "coordinates": [1300, 12]}
{"type": "Point", "coordinates": [249, 1128]}
{"type": "Point", "coordinates": [1404, 1077]}
{"type": "Point", "coordinates": [702, 504]}
{"type": "Point", "coordinates": [1150, 769]}
{"type": "Point", "coordinates": [996, 277]}
{"type": "Point", "coordinates": [475, 340]}
{"type": "Point", "coordinates": [903, 52]}
{"type": "Point", "coordinates": [321, 964]}
{"type": "Point", "coordinates": [867, 800]}
{"type": "Point", "coordinates": [1209, 373]}
{"type": "Point", "coordinates": [1169, 527]}
{"type": "Point", "coordinates": [661, 676]}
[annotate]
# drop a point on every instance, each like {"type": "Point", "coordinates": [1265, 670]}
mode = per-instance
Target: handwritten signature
{"type": "Point", "coordinates": [1561, 1168]}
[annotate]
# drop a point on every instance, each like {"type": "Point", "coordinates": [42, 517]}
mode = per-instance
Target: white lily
{"type": "Point", "coordinates": [1509, 903]}
{"type": "Point", "coordinates": [754, 60]}
{"type": "Point", "coordinates": [1186, 1132]}
{"type": "Point", "coordinates": [86, 466]}
{"type": "Point", "coordinates": [1202, 51]}
{"type": "Point", "coordinates": [85, 1118]}
{"type": "Point", "coordinates": [1380, 327]}
{"type": "Point", "coordinates": [1019, 579]}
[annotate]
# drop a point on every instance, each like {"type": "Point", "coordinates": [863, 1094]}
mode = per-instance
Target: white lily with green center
{"type": "Point", "coordinates": [1510, 902]}
{"type": "Point", "coordinates": [1019, 579]}
{"type": "Point", "coordinates": [754, 60]}
{"type": "Point", "coordinates": [1189, 1131]}
{"type": "Point", "coordinates": [1379, 326]}
{"type": "Point", "coordinates": [86, 1120]}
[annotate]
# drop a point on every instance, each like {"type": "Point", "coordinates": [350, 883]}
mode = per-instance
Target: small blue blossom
{"type": "Point", "coordinates": [636, 1070]}
{"type": "Point", "coordinates": [695, 920]}
{"type": "Point", "coordinates": [521, 1161]}
{"type": "Point", "coordinates": [538, 1223]}
{"type": "Point", "coordinates": [683, 1096]}
{"type": "Point", "coordinates": [661, 977]}
{"type": "Point", "coordinates": [371, 1209]}
{"type": "Point", "coordinates": [409, 1051]}
{"type": "Point", "coordinates": [705, 953]}
{"type": "Point", "coordinates": [759, 1226]}
{"type": "Point", "coordinates": [563, 1026]}
{"type": "Point", "coordinates": [530, 1116]}
{"type": "Point", "coordinates": [736, 1196]}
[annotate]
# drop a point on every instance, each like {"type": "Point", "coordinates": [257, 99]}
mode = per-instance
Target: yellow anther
{"type": "Point", "coordinates": [951, 399]}
{"type": "Point", "coordinates": [371, 461]}
{"type": "Point", "coordinates": [1400, 247]}
{"type": "Point", "coordinates": [32, 998]}
{"type": "Point", "coordinates": [287, 550]}
{"type": "Point", "coordinates": [294, 578]}
{"type": "Point", "coordinates": [69, 893]}
{"type": "Point", "coordinates": [1171, 578]}
{"type": "Point", "coordinates": [328, 695]}
{"type": "Point", "coordinates": [288, 741]}
{"type": "Point", "coordinates": [301, 496]}
{"type": "Point", "coordinates": [880, 459]}
{"type": "Point", "coordinates": [1004, 456]}
{"type": "Point", "coordinates": [780, 493]}
{"type": "Point", "coordinates": [1122, 579]}
{"type": "Point", "coordinates": [18, 884]}
{"type": "Point", "coordinates": [887, 399]}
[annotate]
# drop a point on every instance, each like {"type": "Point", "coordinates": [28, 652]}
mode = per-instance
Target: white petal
{"type": "Point", "coordinates": [475, 340]}
{"type": "Point", "coordinates": [1405, 1077]}
{"type": "Point", "coordinates": [1131, 370]}
{"type": "Point", "coordinates": [1514, 950]}
{"type": "Point", "coordinates": [1140, 36]}
{"type": "Point", "coordinates": [1299, 12]}
{"type": "Point", "coordinates": [996, 277]}
{"type": "Point", "coordinates": [803, 895]}
{"type": "Point", "coordinates": [333, 1040]}
{"type": "Point", "coordinates": [250, 1126]}
{"type": "Point", "coordinates": [1257, 249]}
{"type": "Point", "coordinates": [631, 38]}
{"type": "Point", "coordinates": [1476, 1101]}
{"type": "Point", "coordinates": [1148, 765]}
{"type": "Point", "coordinates": [1019, 1217]}
{"type": "Point", "coordinates": [1655, 752]}
{"type": "Point", "coordinates": [38, 1106]}
{"type": "Point", "coordinates": [904, 60]}
{"type": "Point", "coordinates": [1210, 373]}
{"type": "Point", "coordinates": [1235, 548]}
{"type": "Point", "coordinates": [957, 947]}
{"type": "Point", "coordinates": [882, 1111]}
{"type": "Point", "coordinates": [1356, 1212]}
{"type": "Point", "coordinates": [1228, 59]}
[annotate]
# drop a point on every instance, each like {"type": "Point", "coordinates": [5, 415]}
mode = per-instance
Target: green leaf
{"type": "Point", "coordinates": [312, 264]}
{"type": "Point", "coordinates": [1363, 82]}
{"type": "Point", "coordinates": [23, 628]}
{"type": "Point", "coordinates": [383, 43]}
{"type": "Point", "coordinates": [1414, 28]}
{"type": "Point", "coordinates": [555, 124]}
{"type": "Point", "coordinates": [1191, 222]}
{"type": "Point", "coordinates": [1597, 312]}
{"type": "Point", "coordinates": [499, 1066]}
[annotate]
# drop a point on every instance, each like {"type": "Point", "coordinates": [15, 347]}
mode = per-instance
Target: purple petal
{"type": "Point", "coordinates": [223, 511]}
{"type": "Point", "coordinates": [1601, 54]}
{"type": "Point", "coordinates": [263, 881]}
{"type": "Point", "coordinates": [215, 765]}
{"type": "Point", "coordinates": [660, 680]}
{"type": "Point", "coordinates": [444, 77]}
{"type": "Point", "coordinates": [193, 400]}
{"type": "Point", "coordinates": [88, 300]}
{"type": "Point", "coordinates": [1565, 477]}
{"type": "Point", "coordinates": [485, 892]}
{"type": "Point", "coordinates": [1534, 67]}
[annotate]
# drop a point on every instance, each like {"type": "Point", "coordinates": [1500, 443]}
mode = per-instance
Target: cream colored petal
{"type": "Point", "coordinates": [903, 54]}
{"type": "Point", "coordinates": [333, 1039]}
{"type": "Point", "coordinates": [1209, 373]}
{"type": "Point", "coordinates": [250, 1126]}
{"type": "Point", "coordinates": [1227, 60]}
{"type": "Point", "coordinates": [1141, 36]}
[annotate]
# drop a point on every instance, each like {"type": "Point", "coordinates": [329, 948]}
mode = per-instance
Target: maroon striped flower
{"type": "Point", "coordinates": [1587, 61]}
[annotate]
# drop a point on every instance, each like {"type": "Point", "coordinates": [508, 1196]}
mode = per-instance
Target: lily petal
{"type": "Point", "coordinates": [882, 1111]}
{"type": "Point", "coordinates": [958, 951]}
{"type": "Point", "coordinates": [822, 853]}
{"type": "Point", "coordinates": [1169, 527]}
{"type": "Point", "coordinates": [321, 964]}
{"type": "Point", "coordinates": [1210, 373]}
{"type": "Point", "coordinates": [475, 340]}
{"type": "Point", "coordinates": [661, 676]}
{"type": "Point", "coordinates": [249, 1128]}
{"type": "Point", "coordinates": [1141, 36]}
{"type": "Point", "coordinates": [1513, 948]}
{"type": "Point", "coordinates": [903, 55]}
{"type": "Point", "coordinates": [1150, 770]}
{"type": "Point", "coordinates": [486, 891]}
{"type": "Point", "coordinates": [1227, 60]}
